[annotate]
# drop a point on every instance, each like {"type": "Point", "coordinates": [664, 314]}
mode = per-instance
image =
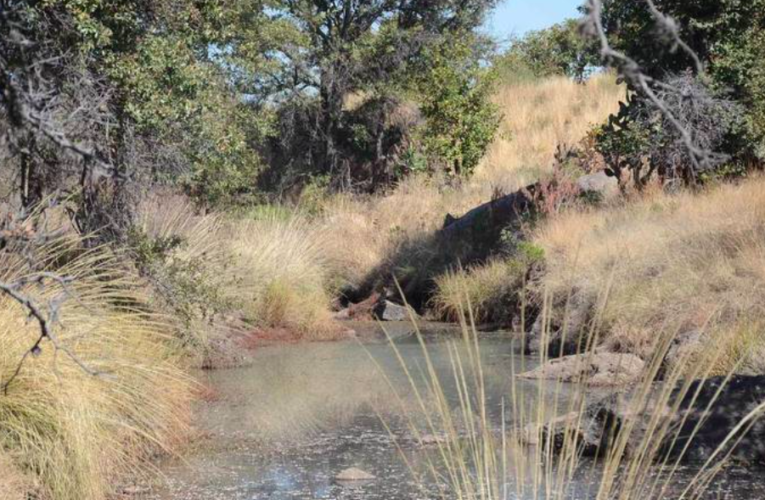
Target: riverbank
{"type": "Point", "coordinates": [600, 271]}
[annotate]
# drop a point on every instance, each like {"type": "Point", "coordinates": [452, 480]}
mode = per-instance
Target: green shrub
{"type": "Point", "coordinates": [461, 119]}
{"type": "Point", "coordinates": [729, 38]}
{"type": "Point", "coordinates": [557, 50]}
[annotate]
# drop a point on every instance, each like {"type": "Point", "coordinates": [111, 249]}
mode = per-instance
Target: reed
{"type": "Point", "coordinates": [536, 450]}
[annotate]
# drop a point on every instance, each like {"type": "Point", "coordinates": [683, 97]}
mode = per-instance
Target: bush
{"type": "Point", "coordinates": [495, 291]}
{"type": "Point", "coordinates": [456, 103]}
{"type": "Point", "coordinates": [729, 38]}
{"type": "Point", "coordinates": [641, 141]}
{"type": "Point", "coordinates": [190, 272]}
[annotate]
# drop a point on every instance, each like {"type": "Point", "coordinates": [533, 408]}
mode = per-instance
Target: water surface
{"type": "Point", "coordinates": [283, 426]}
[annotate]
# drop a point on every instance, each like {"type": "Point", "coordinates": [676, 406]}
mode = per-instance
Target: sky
{"type": "Point", "coordinates": [516, 17]}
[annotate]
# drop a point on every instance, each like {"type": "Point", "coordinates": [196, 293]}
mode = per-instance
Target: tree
{"type": "Point", "coordinates": [557, 50]}
{"type": "Point", "coordinates": [105, 93]}
{"type": "Point", "coordinates": [724, 37]}
{"type": "Point", "coordinates": [455, 91]}
{"type": "Point", "coordinates": [329, 50]}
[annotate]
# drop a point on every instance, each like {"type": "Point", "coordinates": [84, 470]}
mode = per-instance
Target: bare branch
{"type": "Point", "coordinates": [701, 158]}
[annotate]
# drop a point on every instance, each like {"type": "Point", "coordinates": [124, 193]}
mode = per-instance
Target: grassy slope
{"type": "Point", "coordinates": [292, 261]}
{"type": "Point", "coordinates": [687, 262]}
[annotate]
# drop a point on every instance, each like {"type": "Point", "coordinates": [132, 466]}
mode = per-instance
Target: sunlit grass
{"type": "Point", "coordinates": [72, 434]}
{"type": "Point", "coordinates": [284, 274]}
{"type": "Point", "coordinates": [686, 262]}
{"type": "Point", "coordinates": [196, 276]}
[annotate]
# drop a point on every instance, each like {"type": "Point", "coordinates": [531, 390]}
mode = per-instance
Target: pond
{"type": "Point", "coordinates": [283, 426]}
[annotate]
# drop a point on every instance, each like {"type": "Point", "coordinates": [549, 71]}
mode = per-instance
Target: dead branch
{"type": "Point", "coordinates": [592, 25]}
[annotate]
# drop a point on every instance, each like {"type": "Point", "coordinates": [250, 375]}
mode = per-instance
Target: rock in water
{"type": "Point", "coordinates": [394, 312]}
{"type": "Point", "coordinates": [354, 475]}
{"type": "Point", "coordinates": [712, 414]}
{"type": "Point", "coordinates": [596, 369]}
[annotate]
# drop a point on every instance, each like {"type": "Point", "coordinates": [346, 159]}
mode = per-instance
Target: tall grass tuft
{"type": "Point", "coordinates": [190, 268]}
{"type": "Point", "coordinates": [530, 445]}
{"type": "Point", "coordinates": [493, 289]}
{"type": "Point", "coordinates": [74, 435]}
{"type": "Point", "coordinates": [284, 274]}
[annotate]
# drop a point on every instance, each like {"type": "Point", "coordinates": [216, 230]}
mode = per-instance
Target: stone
{"type": "Point", "coordinates": [367, 309]}
{"type": "Point", "coordinates": [343, 314]}
{"type": "Point", "coordinates": [599, 369]}
{"type": "Point", "coordinates": [432, 439]}
{"type": "Point", "coordinates": [739, 397]}
{"type": "Point", "coordinates": [394, 312]}
{"type": "Point", "coordinates": [705, 418]}
{"type": "Point", "coordinates": [590, 437]}
{"type": "Point", "coordinates": [600, 184]}
{"type": "Point", "coordinates": [353, 474]}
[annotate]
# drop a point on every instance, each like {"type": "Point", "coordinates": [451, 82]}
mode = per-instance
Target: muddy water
{"type": "Point", "coordinates": [284, 425]}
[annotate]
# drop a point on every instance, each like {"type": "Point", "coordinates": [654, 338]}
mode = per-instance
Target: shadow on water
{"type": "Point", "coordinates": [286, 424]}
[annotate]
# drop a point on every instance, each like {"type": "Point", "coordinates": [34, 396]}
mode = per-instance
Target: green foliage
{"type": "Point", "coordinates": [329, 51]}
{"type": "Point", "coordinates": [184, 286]}
{"type": "Point", "coordinates": [456, 102]}
{"type": "Point", "coordinates": [557, 50]}
{"type": "Point", "coordinates": [173, 91]}
{"type": "Point", "coordinates": [728, 36]}
{"type": "Point", "coordinates": [529, 252]}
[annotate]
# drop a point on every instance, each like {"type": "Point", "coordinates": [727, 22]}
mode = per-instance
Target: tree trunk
{"type": "Point", "coordinates": [330, 121]}
{"type": "Point", "coordinates": [31, 177]}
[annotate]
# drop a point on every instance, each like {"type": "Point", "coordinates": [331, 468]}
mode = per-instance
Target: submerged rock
{"type": "Point", "coordinates": [586, 431]}
{"type": "Point", "coordinates": [433, 439]}
{"type": "Point", "coordinates": [600, 369]}
{"type": "Point", "coordinates": [706, 424]}
{"type": "Point", "coordinates": [353, 475]}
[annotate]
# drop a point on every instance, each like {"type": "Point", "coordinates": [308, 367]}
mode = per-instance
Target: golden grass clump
{"type": "Point", "coordinates": [74, 433]}
{"type": "Point", "coordinates": [284, 274]}
{"type": "Point", "coordinates": [687, 262]}
{"type": "Point", "coordinates": [489, 288]}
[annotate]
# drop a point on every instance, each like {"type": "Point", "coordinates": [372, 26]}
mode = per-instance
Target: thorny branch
{"type": "Point", "coordinates": [592, 25]}
{"type": "Point", "coordinates": [20, 239]}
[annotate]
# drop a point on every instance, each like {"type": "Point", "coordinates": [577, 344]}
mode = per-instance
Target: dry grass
{"type": "Point", "coordinates": [196, 280]}
{"type": "Point", "coordinates": [284, 274]}
{"type": "Point", "coordinates": [490, 288]}
{"type": "Point", "coordinates": [538, 116]}
{"type": "Point", "coordinates": [366, 233]}
{"type": "Point", "coordinates": [74, 434]}
{"type": "Point", "coordinates": [672, 262]}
